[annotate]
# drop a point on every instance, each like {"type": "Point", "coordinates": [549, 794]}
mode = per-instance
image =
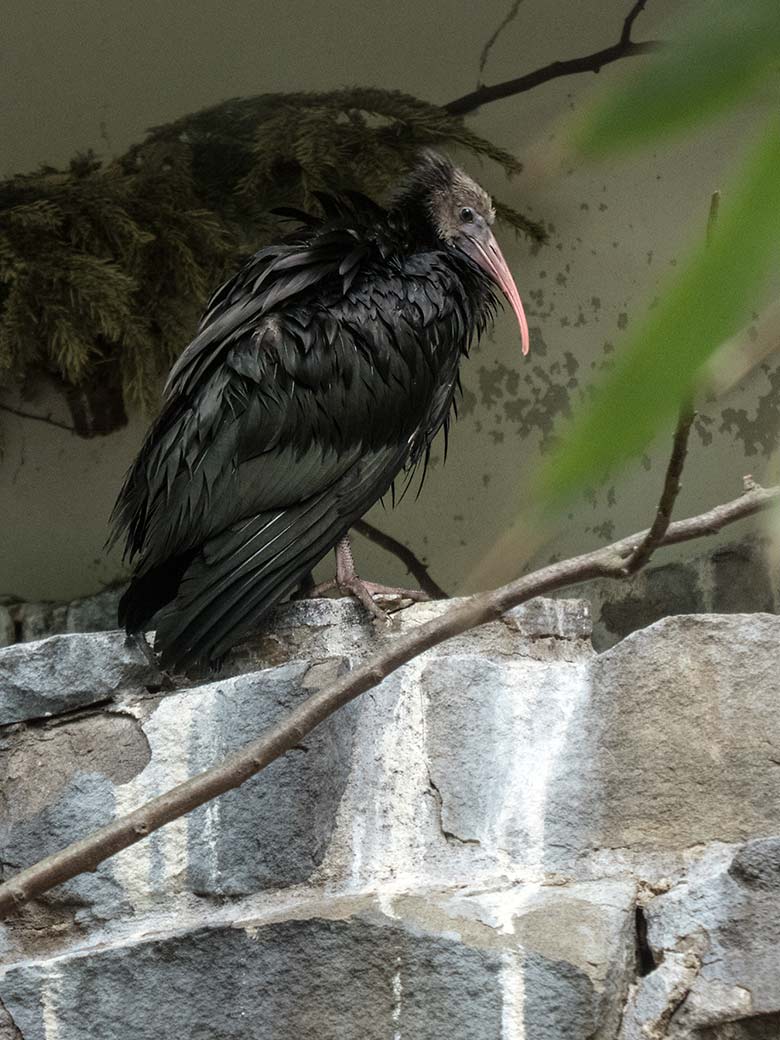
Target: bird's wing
{"type": "Point", "coordinates": [332, 249]}
{"type": "Point", "coordinates": [242, 572]}
{"type": "Point", "coordinates": [201, 424]}
{"type": "Point", "coordinates": [249, 479]}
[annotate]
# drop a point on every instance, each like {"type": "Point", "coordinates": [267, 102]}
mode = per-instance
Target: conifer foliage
{"type": "Point", "coordinates": [105, 266]}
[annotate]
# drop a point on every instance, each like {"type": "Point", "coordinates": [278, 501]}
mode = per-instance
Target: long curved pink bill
{"type": "Point", "coordinates": [492, 259]}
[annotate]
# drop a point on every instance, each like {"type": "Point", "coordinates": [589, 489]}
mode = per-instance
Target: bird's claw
{"type": "Point", "coordinates": [369, 593]}
{"type": "Point", "coordinates": [394, 593]}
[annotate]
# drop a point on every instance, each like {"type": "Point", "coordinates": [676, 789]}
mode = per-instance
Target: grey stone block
{"type": "Point", "coordinates": [330, 979]}
{"type": "Point", "coordinates": [68, 671]}
{"type": "Point", "coordinates": [450, 774]}
{"type": "Point", "coordinates": [579, 958]}
{"type": "Point", "coordinates": [7, 628]}
{"type": "Point", "coordinates": [38, 620]}
{"type": "Point", "coordinates": [657, 593]}
{"type": "Point", "coordinates": [494, 732]}
{"type": "Point", "coordinates": [741, 579]}
{"type": "Point", "coordinates": [85, 803]}
{"type": "Point", "coordinates": [340, 969]}
{"type": "Point", "coordinates": [309, 629]}
{"type": "Point", "coordinates": [677, 742]}
{"type": "Point", "coordinates": [27, 622]}
{"type": "Point", "coordinates": [275, 829]}
{"type": "Point", "coordinates": [715, 940]}
{"type": "Point", "coordinates": [96, 613]}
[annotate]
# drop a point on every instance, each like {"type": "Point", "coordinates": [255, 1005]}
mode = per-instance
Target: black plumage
{"type": "Point", "coordinates": [320, 372]}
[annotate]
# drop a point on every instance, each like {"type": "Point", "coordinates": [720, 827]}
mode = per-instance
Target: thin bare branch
{"type": "Point", "coordinates": [38, 418]}
{"type": "Point", "coordinates": [608, 562]}
{"type": "Point", "coordinates": [631, 17]}
{"type": "Point", "coordinates": [671, 489]}
{"type": "Point", "coordinates": [655, 536]}
{"type": "Point", "coordinates": [508, 18]}
{"type": "Point", "coordinates": [413, 563]}
{"type": "Point", "coordinates": [624, 48]}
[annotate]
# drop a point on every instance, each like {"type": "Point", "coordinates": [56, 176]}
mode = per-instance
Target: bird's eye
{"type": "Point", "coordinates": [467, 215]}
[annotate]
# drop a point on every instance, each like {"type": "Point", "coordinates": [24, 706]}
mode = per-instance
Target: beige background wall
{"type": "Point", "coordinates": [87, 74]}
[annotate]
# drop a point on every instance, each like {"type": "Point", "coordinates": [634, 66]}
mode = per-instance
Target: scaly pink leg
{"type": "Point", "coordinates": [367, 592]}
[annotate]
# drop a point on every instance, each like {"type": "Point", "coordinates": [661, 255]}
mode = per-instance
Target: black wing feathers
{"type": "Point", "coordinates": [321, 370]}
{"type": "Point", "coordinates": [277, 275]}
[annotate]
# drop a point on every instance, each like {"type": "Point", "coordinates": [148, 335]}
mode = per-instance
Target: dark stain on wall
{"type": "Point", "coordinates": [671, 589]}
{"type": "Point", "coordinates": [531, 398]}
{"type": "Point", "coordinates": [758, 435]}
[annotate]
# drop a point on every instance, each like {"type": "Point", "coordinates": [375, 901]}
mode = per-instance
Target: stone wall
{"type": "Point", "coordinates": [512, 837]}
{"type": "Point", "coordinates": [740, 577]}
{"type": "Point", "coordinates": [23, 622]}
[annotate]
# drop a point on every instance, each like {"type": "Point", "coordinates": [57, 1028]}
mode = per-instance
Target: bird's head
{"type": "Point", "coordinates": [461, 214]}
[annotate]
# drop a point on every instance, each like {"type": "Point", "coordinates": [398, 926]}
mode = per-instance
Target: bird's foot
{"type": "Point", "coordinates": [394, 593]}
{"type": "Point", "coordinates": [369, 593]}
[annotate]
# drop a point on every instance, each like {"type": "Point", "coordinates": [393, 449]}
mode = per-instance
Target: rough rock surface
{"type": "Point", "coordinates": [740, 577]}
{"type": "Point", "coordinates": [26, 622]}
{"type": "Point", "coordinates": [347, 970]}
{"type": "Point", "coordinates": [714, 937]}
{"type": "Point", "coordinates": [512, 837]}
{"type": "Point", "coordinates": [63, 672]}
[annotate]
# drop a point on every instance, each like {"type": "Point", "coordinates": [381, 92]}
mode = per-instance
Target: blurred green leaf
{"type": "Point", "coordinates": [720, 55]}
{"type": "Point", "coordinates": [709, 301]}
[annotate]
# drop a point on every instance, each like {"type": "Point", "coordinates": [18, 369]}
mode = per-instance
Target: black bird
{"type": "Point", "coordinates": [322, 370]}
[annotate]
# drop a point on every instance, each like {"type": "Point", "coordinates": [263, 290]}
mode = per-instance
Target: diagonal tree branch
{"type": "Point", "coordinates": [608, 562]}
{"type": "Point", "coordinates": [628, 24]}
{"type": "Point", "coordinates": [641, 555]}
{"type": "Point", "coordinates": [624, 48]}
{"type": "Point", "coordinates": [655, 536]}
{"type": "Point", "coordinates": [413, 564]}
{"type": "Point", "coordinates": [507, 20]}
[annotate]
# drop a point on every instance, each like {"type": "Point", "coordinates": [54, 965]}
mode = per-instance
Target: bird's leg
{"type": "Point", "coordinates": [139, 639]}
{"type": "Point", "coordinates": [367, 592]}
{"type": "Point", "coordinates": [348, 581]}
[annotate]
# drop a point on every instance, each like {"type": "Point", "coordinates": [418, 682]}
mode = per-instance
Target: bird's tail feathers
{"type": "Point", "coordinates": [239, 575]}
{"type": "Point", "coordinates": [150, 590]}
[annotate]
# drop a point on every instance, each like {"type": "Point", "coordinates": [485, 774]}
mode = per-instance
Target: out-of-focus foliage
{"type": "Point", "coordinates": [108, 264]}
{"type": "Point", "coordinates": [709, 301]}
{"type": "Point", "coordinates": [98, 266]}
{"type": "Point", "coordinates": [721, 55]}
{"type": "Point", "coordinates": [726, 54]}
